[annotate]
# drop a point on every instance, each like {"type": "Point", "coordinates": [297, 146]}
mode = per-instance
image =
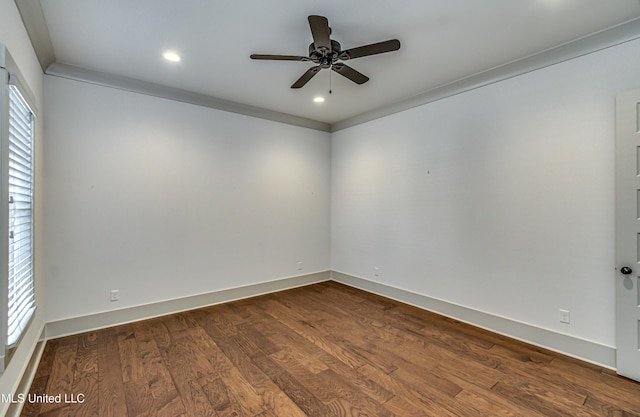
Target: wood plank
{"type": "Point", "coordinates": [138, 397]}
{"type": "Point", "coordinates": [599, 407]}
{"type": "Point", "coordinates": [408, 398]}
{"type": "Point", "coordinates": [85, 383]}
{"type": "Point", "coordinates": [323, 339]}
{"type": "Point", "coordinates": [194, 398]}
{"type": "Point", "coordinates": [186, 352]}
{"type": "Point", "coordinates": [219, 397]}
{"type": "Point", "coordinates": [539, 399]}
{"type": "Point", "coordinates": [478, 396]}
{"type": "Point", "coordinates": [150, 362]}
{"type": "Point", "coordinates": [111, 394]}
{"type": "Point", "coordinates": [62, 372]}
{"type": "Point", "coordinates": [304, 399]}
{"type": "Point", "coordinates": [253, 387]}
{"type": "Point", "coordinates": [344, 398]}
{"type": "Point", "coordinates": [149, 388]}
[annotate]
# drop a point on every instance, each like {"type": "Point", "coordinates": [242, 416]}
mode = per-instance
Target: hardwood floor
{"type": "Point", "coordinates": [321, 350]}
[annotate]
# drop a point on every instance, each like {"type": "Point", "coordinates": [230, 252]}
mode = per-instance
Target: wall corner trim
{"type": "Point", "coordinates": [585, 350]}
{"type": "Point", "coordinates": [75, 325]}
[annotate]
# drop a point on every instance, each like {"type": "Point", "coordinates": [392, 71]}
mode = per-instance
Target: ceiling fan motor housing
{"type": "Point", "coordinates": [325, 58]}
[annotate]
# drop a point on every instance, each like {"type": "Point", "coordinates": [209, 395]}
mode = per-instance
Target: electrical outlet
{"type": "Point", "coordinates": [115, 295]}
{"type": "Point", "coordinates": [565, 316]}
{"type": "Point", "coordinates": [376, 271]}
{"type": "Point", "coordinates": [299, 266]}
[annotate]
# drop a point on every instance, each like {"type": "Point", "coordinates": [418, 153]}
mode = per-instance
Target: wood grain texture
{"type": "Point", "coordinates": [324, 350]}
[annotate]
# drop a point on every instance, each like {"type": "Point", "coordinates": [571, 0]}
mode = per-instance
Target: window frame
{"type": "Point", "coordinates": [11, 76]}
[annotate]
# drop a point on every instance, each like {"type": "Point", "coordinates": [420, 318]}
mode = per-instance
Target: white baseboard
{"type": "Point", "coordinates": [586, 350]}
{"type": "Point", "coordinates": [568, 345]}
{"type": "Point", "coordinates": [96, 321]}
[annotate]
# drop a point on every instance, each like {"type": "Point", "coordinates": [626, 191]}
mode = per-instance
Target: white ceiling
{"type": "Point", "coordinates": [442, 41]}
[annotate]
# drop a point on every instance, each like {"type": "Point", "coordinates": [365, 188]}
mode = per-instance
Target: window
{"type": "Point", "coordinates": [21, 297]}
{"type": "Point", "coordinates": [17, 285]}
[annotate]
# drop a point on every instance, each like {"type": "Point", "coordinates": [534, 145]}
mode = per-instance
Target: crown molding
{"type": "Point", "coordinates": [35, 23]}
{"type": "Point", "coordinates": [616, 35]}
{"type": "Point", "coordinates": [36, 26]}
{"type": "Point", "coordinates": [157, 90]}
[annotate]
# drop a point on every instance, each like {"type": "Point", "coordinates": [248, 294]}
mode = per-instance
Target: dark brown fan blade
{"type": "Point", "coordinates": [320, 31]}
{"type": "Point", "coordinates": [373, 49]}
{"type": "Point", "coordinates": [280, 57]}
{"type": "Point", "coordinates": [350, 73]}
{"type": "Point", "coordinates": [306, 76]}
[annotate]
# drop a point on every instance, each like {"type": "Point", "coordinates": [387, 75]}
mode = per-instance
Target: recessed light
{"type": "Point", "coordinates": [171, 56]}
{"type": "Point", "coordinates": [318, 99]}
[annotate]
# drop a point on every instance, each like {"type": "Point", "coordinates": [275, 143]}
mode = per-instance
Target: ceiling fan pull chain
{"type": "Point", "coordinates": [329, 82]}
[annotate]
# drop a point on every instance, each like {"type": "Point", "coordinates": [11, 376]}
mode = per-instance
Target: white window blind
{"type": "Point", "coordinates": [21, 285]}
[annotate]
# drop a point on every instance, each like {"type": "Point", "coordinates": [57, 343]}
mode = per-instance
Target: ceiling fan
{"type": "Point", "coordinates": [325, 52]}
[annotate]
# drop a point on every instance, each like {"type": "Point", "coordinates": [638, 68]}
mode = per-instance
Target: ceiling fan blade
{"type": "Point", "coordinates": [373, 49]}
{"type": "Point", "coordinates": [280, 57]}
{"type": "Point", "coordinates": [350, 73]}
{"type": "Point", "coordinates": [306, 76]}
{"type": "Point", "coordinates": [320, 31]}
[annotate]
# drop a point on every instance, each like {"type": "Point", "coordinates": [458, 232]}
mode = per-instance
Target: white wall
{"type": "Point", "coordinates": [14, 36]}
{"type": "Point", "coordinates": [162, 199]}
{"type": "Point", "coordinates": [500, 199]}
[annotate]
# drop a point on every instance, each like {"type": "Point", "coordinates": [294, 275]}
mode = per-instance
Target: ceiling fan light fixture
{"type": "Point", "coordinates": [318, 99]}
{"type": "Point", "coordinates": [171, 56]}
